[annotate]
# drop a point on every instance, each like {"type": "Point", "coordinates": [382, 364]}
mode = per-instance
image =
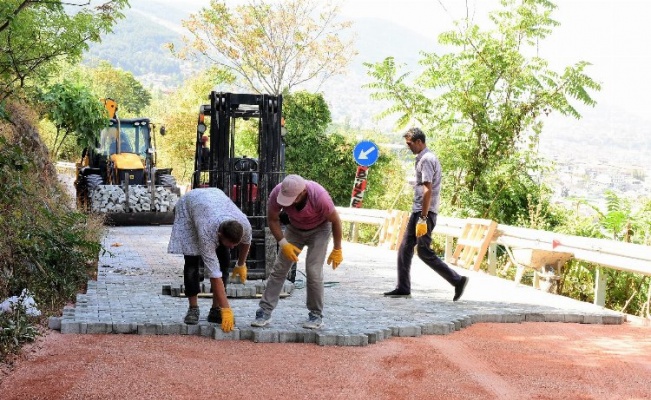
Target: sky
{"type": "Point", "coordinates": [613, 35]}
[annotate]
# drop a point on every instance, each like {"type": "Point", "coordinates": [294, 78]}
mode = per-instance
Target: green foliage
{"type": "Point", "coordinates": [179, 111]}
{"type": "Point", "coordinates": [46, 246]}
{"type": "Point", "coordinates": [484, 102]}
{"type": "Point", "coordinates": [17, 324]}
{"type": "Point", "coordinates": [36, 36]}
{"type": "Point", "coordinates": [327, 156]}
{"type": "Point", "coordinates": [105, 81]}
{"type": "Point", "coordinates": [75, 112]}
{"type": "Point", "coordinates": [270, 46]}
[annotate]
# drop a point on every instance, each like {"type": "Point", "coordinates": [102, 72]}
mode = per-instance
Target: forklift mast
{"type": "Point", "coordinates": [247, 180]}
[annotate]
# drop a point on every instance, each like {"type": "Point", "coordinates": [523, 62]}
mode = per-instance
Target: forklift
{"type": "Point", "coordinates": [247, 180]}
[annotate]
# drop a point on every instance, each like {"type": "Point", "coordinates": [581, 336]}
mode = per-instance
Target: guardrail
{"type": "Point", "coordinates": [603, 252]}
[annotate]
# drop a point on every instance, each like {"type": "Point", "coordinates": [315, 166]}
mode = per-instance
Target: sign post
{"type": "Point", "coordinates": [366, 154]}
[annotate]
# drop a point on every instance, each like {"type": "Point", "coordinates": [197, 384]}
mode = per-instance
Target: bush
{"type": "Point", "coordinates": [46, 246]}
{"type": "Point", "coordinates": [18, 315]}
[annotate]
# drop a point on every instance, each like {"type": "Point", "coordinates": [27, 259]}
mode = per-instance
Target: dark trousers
{"type": "Point", "coordinates": [423, 246]}
{"type": "Point", "coordinates": [191, 277]}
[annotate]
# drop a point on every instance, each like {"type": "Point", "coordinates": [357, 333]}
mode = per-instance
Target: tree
{"type": "Point", "coordinates": [75, 111]}
{"type": "Point", "coordinates": [36, 35]}
{"type": "Point", "coordinates": [119, 85]}
{"type": "Point", "coordinates": [327, 157]}
{"type": "Point", "coordinates": [180, 110]}
{"type": "Point", "coordinates": [270, 47]}
{"type": "Point", "coordinates": [486, 101]}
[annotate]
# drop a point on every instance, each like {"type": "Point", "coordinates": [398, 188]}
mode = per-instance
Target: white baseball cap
{"type": "Point", "coordinates": [290, 188]}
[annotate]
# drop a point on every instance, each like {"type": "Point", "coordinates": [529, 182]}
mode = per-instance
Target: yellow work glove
{"type": "Point", "coordinates": [421, 227]}
{"type": "Point", "coordinates": [335, 258]}
{"type": "Point", "coordinates": [228, 320]}
{"type": "Point", "coordinates": [289, 250]}
{"type": "Point", "coordinates": [240, 271]}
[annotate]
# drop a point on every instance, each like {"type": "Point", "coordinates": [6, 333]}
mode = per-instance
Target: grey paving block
{"type": "Point", "coordinates": [218, 334]}
{"type": "Point", "coordinates": [307, 336]}
{"type": "Point", "coordinates": [137, 300]}
{"type": "Point", "coordinates": [208, 329]}
{"type": "Point", "coordinates": [326, 339]}
{"type": "Point", "coordinates": [124, 327]}
{"type": "Point", "coordinates": [265, 336]}
{"type": "Point", "coordinates": [98, 328]}
{"type": "Point", "coordinates": [592, 319]}
{"type": "Point", "coordinates": [288, 337]}
{"type": "Point", "coordinates": [54, 323]}
{"type": "Point", "coordinates": [554, 317]}
{"type": "Point", "coordinates": [613, 319]}
{"type": "Point", "coordinates": [150, 329]}
{"type": "Point", "coordinates": [246, 333]}
{"type": "Point", "coordinates": [573, 318]}
{"type": "Point", "coordinates": [192, 329]}
{"type": "Point", "coordinates": [171, 329]}
{"type": "Point", "coordinates": [534, 317]}
{"type": "Point", "coordinates": [70, 327]}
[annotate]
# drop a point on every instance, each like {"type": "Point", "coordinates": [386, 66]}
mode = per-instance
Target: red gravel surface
{"type": "Point", "coordinates": [484, 361]}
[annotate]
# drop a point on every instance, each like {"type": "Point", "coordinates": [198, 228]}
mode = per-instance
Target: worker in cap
{"type": "Point", "coordinates": [312, 220]}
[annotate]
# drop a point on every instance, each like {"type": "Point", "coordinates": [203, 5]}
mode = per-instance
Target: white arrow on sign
{"type": "Point", "coordinates": [363, 154]}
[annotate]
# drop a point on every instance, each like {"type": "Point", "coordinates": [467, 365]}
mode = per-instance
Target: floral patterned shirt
{"type": "Point", "coordinates": [197, 217]}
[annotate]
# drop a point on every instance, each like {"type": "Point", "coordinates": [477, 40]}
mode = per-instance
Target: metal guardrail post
{"type": "Point", "coordinates": [600, 287]}
{"type": "Point", "coordinates": [492, 258]}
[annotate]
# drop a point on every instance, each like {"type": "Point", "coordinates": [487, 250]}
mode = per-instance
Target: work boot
{"type": "Point", "coordinates": [395, 293]}
{"type": "Point", "coordinates": [459, 288]}
{"type": "Point", "coordinates": [261, 318]}
{"type": "Point", "coordinates": [192, 317]}
{"type": "Point", "coordinates": [215, 315]}
{"type": "Point", "coordinates": [314, 321]}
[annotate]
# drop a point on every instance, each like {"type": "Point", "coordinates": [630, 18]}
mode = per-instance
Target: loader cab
{"type": "Point", "coordinates": [127, 136]}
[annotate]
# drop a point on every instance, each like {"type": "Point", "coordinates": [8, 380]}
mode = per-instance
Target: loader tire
{"type": "Point", "coordinates": [92, 181]}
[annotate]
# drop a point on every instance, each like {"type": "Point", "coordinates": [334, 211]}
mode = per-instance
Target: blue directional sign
{"type": "Point", "coordinates": [366, 153]}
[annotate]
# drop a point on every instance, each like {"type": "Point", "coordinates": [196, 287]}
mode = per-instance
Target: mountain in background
{"type": "Point", "coordinates": [605, 134]}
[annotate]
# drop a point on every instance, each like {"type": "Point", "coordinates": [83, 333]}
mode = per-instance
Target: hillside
{"type": "Point", "coordinates": [138, 46]}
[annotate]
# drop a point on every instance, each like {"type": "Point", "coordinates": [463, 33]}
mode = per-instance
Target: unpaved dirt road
{"type": "Point", "coordinates": [484, 361]}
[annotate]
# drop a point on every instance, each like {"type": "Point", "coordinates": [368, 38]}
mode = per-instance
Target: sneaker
{"type": "Point", "coordinates": [459, 288]}
{"type": "Point", "coordinates": [215, 315]}
{"type": "Point", "coordinates": [261, 319]}
{"type": "Point", "coordinates": [395, 293]}
{"type": "Point", "coordinates": [192, 317]}
{"type": "Point", "coordinates": [313, 322]}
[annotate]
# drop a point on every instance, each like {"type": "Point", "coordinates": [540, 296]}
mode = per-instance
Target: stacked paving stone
{"type": "Point", "coordinates": [237, 291]}
{"type": "Point", "coordinates": [127, 298]}
{"type": "Point", "coordinates": [112, 199]}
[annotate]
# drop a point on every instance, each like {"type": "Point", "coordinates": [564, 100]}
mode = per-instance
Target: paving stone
{"type": "Point", "coordinates": [218, 334]}
{"type": "Point", "coordinates": [265, 336]}
{"type": "Point", "coordinates": [141, 298]}
{"type": "Point", "coordinates": [54, 323]}
{"type": "Point", "coordinates": [98, 327]}
{"type": "Point", "coordinates": [70, 327]}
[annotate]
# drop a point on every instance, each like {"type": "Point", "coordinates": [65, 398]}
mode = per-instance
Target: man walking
{"type": "Point", "coordinates": [312, 218]}
{"type": "Point", "coordinates": [207, 225]}
{"type": "Point", "coordinates": [422, 221]}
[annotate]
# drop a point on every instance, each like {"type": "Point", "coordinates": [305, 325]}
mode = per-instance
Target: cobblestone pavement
{"type": "Point", "coordinates": [127, 298]}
